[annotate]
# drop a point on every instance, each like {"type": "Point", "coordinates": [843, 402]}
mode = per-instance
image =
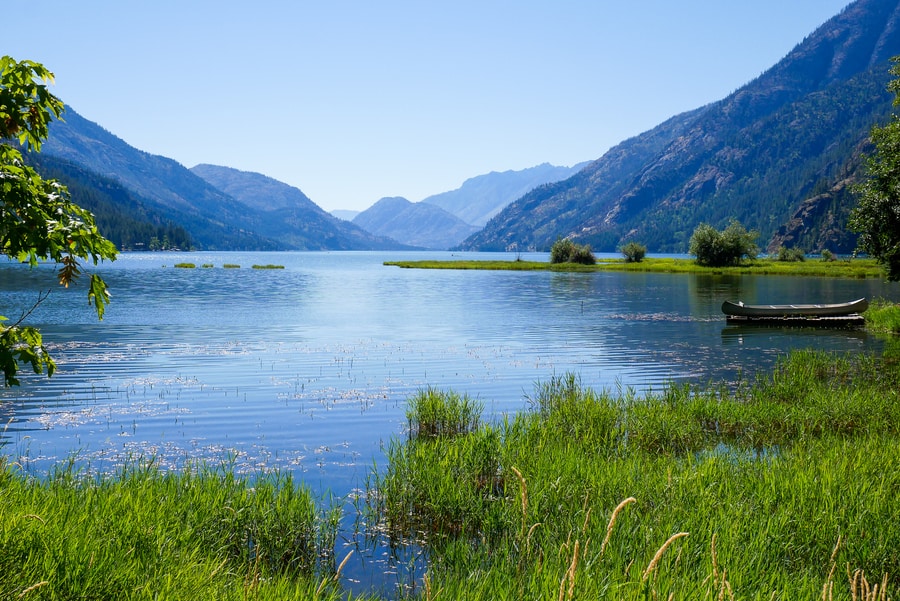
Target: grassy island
{"type": "Point", "coordinates": [855, 268]}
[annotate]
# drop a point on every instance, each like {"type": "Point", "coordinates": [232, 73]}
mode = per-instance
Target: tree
{"type": "Point", "coordinates": [634, 252]}
{"type": "Point", "coordinates": [720, 249]}
{"type": "Point", "coordinates": [566, 251]}
{"type": "Point", "coordinates": [877, 215]}
{"type": "Point", "coordinates": [38, 220]}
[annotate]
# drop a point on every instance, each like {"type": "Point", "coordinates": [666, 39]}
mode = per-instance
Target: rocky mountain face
{"type": "Point", "coordinates": [416, 224]}
{"type": "Point", "coordinates": [761, 155]}
{"type": "Point", "coordinates": [268, 215]}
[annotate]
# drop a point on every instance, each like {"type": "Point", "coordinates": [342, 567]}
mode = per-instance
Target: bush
{"type": "Point", "coordinates": [827, 255]}
{"type": "Point", "coordinates": [791, 255]}
{"type": "Point", "coordinates": [719, 249]}
{"type": "Point", "coordinates": [634, 252]}
{"type": "Point", "coordinates": [566, 251]}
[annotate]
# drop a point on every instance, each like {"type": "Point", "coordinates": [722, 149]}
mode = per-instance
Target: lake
{"type": "Point", "coordinates": [308, 368]}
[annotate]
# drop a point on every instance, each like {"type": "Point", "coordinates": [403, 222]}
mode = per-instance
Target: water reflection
{"type": "Point", "coordinates": [308, 368]}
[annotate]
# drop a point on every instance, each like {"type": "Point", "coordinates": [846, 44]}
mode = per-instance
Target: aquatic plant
{"type": "Point", "coordinates": [144, 533]}
{"type": "Point", "coordinates": [268, 266]}
{"type": "Point", "coordinates": [185, 265]}
{"type": "Point", "coordinates": [764, 475]}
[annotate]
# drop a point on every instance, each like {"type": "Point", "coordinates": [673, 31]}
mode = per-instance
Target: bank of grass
{"type": "Point", "coordinates": [780, 488]}
{"type": "Point", "coordinates": [883, 316]}
{"type": "Point", "coordinates": [148, 534]}
{"type": "Point", "coordinates": [854, 268]}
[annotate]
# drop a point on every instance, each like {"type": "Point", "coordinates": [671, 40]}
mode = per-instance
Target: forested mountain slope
{"type": "Point", "coordinates": [759, 155]}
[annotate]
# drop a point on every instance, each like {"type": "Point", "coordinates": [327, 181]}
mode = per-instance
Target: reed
{"type": "Point", "coordinates": [765, 475]}
{"type": "Point", "coordinates": [185, 265]}
{"type": "Point", "coordinates": [143, 533]}
{"type": "Point", "coordinates": [268, 266]}
{"type": "Point", "coordinates": [883, 316]}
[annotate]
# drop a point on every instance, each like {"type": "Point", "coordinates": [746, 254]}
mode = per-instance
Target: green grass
{"type": "Point", "coordinates": [783, 486]}
{"type": "Point", "coordinates": [185, 265]}
{"type": "Point", "coordinates": [147, 534]}
{"type": "Point", "coordinates": [268, 267]}
{"type": "Point", "coordinates": [883, 316]}
{"type": "Point", "coordinates": [856, 268]}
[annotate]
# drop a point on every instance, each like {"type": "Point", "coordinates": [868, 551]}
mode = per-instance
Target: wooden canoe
{"type": "Point", "coordinates": [739, 309]}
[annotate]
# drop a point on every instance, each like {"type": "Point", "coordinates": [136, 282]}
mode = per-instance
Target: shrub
{"type": "Point", "coordinates": [719, 249]}
{"type": "Point", "coordinates": [634, 252]}
{"type": "Point", "coordinates": [827, 255]}
{"type": "Point", "coordinates": [566, 251]}
{"type": "Point", "coordinates": [791, 255]}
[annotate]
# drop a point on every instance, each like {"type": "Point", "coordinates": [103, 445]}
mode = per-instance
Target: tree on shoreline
{"type": "Point", "coordinates": [38, 220]}
{"type": "Point", "coordinates": [877, 216]}
{"type": "Point", "coordinates": [721, 249]}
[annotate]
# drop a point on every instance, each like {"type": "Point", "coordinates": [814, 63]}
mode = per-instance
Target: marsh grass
{"type": "Point", "coordinates": [729, 493]}
{"type": "Point", "coordinates": [432, 413]}
{"type": "Point", "coordinates": [185, 265]}
{"type": "Point", "coordinates": [231, 266]}
{"type": "Point", "coordinates": [883, 316]}
{"type": "Point", "coordinates": [269, 266]}
{"type": "Point", "coordinates": [855, 268]}
{"type": "Point", "coordinates": [144, 534]}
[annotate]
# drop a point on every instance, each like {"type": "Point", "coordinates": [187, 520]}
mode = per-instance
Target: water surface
{"type": "Point", "coordinates": [308, 368]}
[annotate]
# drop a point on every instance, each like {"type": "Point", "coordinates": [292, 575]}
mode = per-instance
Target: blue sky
{"type": "Point", "coordinates": [351, 101]}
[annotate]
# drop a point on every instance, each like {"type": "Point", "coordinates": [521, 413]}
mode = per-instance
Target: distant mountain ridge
{"type": "Point", "coordinates": [417, 224]}
{"type": "Point", "coordinates": [757, 155]}
{"type": "Point", "coordinates": [268, 215]}
{"type": "Point", "coordinates": [288, 215]}
{"type": "Point", "coordinates": [483, 196]}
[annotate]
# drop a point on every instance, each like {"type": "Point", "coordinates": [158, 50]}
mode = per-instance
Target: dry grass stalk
{"type": "Point", "coordinates": [656, 558]}
{"type": "Point", "coordinates": [336, 576]}
{"type": "Point", "coordinates": [612, 522]}
{"type": "Point", "coordinates": [861, 590]}
{"type": "Point", "coordinates": [828, 587]}
{"type": "Point", "coordinates": [524, 488]}
{"type": "Point", "coordinates": [564, 592]}
{"type": "Point", "coordinates": [33, 587]}
{"type": "Point", "coordinates": [719, 579]}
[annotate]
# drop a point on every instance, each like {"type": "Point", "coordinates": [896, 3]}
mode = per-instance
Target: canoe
{"type": "Point", "coordinates": [739, 309]}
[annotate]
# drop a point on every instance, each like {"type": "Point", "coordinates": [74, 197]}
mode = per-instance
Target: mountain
{"type": "Point", "coordinates": [417, 224]}
{"type": "Point", "coordinates": [213, 218]}
{"type": "Point", "coordinates": [127, 220]}
{"type": "Point", "coordinates": [288, 215]}
{"type": "Point", "coordinates": [345, 214]}
{"type": "Point", "coordinates": [482, 197]}
{"type": "Point", "coordinates": [772, 154]}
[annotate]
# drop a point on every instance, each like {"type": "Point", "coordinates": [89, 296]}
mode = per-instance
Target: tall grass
{"type": "Point", "coordinates": [146, 534]}
{"type": "Point", "coordinates": [784, 488]}
{"type": "Point", "coordinates": [883, 316]}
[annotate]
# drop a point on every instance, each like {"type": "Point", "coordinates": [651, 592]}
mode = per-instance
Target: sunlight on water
{"type": "Point", "coordinates": [308, 368]}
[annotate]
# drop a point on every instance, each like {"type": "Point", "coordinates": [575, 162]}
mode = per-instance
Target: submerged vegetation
{"type": "Point", "coordinates": [781, 488]}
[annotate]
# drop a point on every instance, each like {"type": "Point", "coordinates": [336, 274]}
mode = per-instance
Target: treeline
{"type": "Point", "coordinates": [121, 216]}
